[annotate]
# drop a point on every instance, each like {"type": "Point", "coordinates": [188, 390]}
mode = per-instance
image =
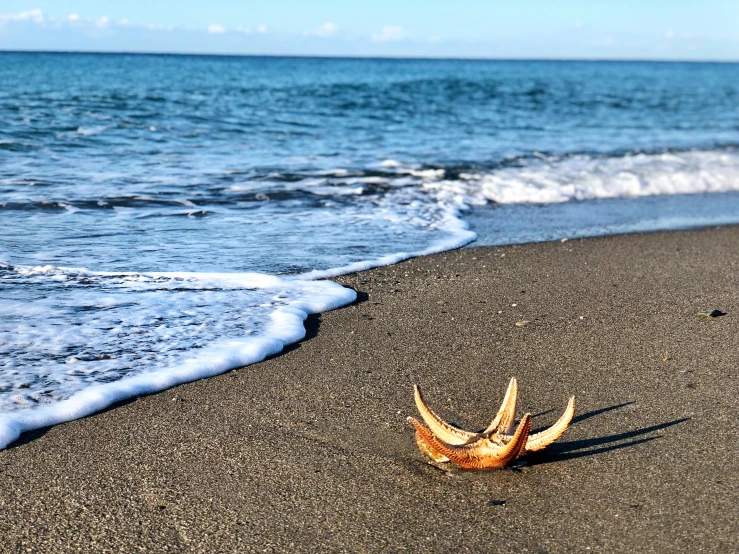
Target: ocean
{"type": "Point", "coordinates": [167, 218]}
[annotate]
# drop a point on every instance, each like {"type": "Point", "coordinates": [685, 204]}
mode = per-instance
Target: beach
{"type": "Point", "coordinates": [310, 450]}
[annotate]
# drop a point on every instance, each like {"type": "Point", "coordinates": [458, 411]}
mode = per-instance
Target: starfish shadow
{"type": "Point", "coordinates": [569, 450]}
{"type": "Point", "coordinates": [582, 417]}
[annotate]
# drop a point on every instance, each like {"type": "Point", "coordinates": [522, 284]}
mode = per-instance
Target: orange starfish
{"type": "Point", "coordinates": [489, 449]}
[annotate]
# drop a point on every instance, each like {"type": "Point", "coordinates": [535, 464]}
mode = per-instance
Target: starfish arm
{"type": "Point", "coordinates": [548, 436]}
{"type": "Point", "coordinates": [506, 417]}
{"type": "Point", "coordinates": [438, 426]}
{"type": "Point", "coordinates": [523, 437]}
{"type": "Point", "coordinates": [480, 454]}
{"type": "Point", "coordinates": [427, 449]}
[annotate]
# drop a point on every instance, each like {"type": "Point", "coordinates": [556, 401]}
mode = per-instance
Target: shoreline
{"type": "Point", "coordinates": [309, 450]}
{"type": "Point", "coordinates": [600, 217]}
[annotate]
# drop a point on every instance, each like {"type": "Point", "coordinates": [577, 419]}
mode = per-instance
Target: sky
{"type": "Point", "coordinates": [561, 29]}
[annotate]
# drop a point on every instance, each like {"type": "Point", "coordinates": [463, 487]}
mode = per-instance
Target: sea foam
{"type": "Point", "coordinates": [545, 180]}
{"type": "Point", "coordinates": [291, 303]}
{"type": "Point", "coordinates": [145, 332]}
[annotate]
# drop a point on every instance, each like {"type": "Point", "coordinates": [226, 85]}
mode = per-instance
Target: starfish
{"type": "Point", "coordinates": [496, 446]}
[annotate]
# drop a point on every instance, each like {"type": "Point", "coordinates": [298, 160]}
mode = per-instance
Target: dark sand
{"type": "Point", "coordinates": [310, 451]}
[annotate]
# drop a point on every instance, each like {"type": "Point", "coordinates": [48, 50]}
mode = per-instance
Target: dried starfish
{"type": "Point", "coordinates": [492, 448]}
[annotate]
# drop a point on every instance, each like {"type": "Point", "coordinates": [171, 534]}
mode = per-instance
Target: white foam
{"type": "Point", "coordinates": [68, 207]}
{"type": "Point", "coordinates": [144, 334]}
{"type": "Point", "coordinates": [459, 235]}
{"type": "Point", "coordinates": [88, 131]}
{"type": "Point", "coordinates": [389, 163]}
{"type": "Point", "coordinates": [584, 177]}
{"type": "Point", "coordinates": [284, 326]}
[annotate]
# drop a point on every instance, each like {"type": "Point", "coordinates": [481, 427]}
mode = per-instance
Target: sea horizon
{"type": "Point", "coordinates": [376, 57]}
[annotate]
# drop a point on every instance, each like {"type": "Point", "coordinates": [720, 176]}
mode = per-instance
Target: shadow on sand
{"type": "Point", "coordinates": [313, 324]}
{"type": "Point", "coordinates": [30, 436]}
{"type": "Point", "coordinates": [569, 450]}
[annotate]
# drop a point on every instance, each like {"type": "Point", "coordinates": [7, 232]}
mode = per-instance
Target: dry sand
{"type": "Point", "coordinates": [310, 450]}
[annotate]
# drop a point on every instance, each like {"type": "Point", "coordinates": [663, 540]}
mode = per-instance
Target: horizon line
{"type": "Point", "coordinates": [362, 57]}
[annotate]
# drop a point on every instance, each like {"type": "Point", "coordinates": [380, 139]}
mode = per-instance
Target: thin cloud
{"type": "Point", "coordinates": [95, 27]}
{"type": "Point", "coordinates": [325, 30]}
{"type": "Point", "coordinates": [390, 33]}
{"type": "Point", "coordinates": [216, 29]}
{"type": "Point", "coordinates": [74, 21]}
{"type": "Point", "coordinates": [261, 29]}
{"type": "Point", "coordinates": [36, 16]}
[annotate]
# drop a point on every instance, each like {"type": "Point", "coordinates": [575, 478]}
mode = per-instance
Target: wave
{"type": "Point", "coordinates": [546, 179]}
{"type": "Point", "coordinates": [96, 338]}
{"type": "Point", "coordinates": [141, 334]}
{"type": "Point", "coordinates": [536, 178]}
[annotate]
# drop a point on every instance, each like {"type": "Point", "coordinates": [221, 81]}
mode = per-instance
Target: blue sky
{"type": "Point", "coordinates": [626, 29]}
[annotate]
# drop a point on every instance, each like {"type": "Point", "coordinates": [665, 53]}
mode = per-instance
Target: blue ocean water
{"type": "Point", "coordinates": [164, 218]}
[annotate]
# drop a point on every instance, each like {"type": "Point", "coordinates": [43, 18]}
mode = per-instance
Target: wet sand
{"type": "Point", "coordinates": [310, 450]}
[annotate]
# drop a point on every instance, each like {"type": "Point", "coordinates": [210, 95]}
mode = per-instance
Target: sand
{"type": "Point", "coordinates": [310, 450]}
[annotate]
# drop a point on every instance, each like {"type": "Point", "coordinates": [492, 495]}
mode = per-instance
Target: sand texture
{"type": "Point", "coordinates": [310, 450]}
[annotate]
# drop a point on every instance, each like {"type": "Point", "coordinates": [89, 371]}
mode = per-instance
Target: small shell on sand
{"type": "Point", "coordinates": [711, 313]}
{"type": "Point", "coordinates": [523, 323]}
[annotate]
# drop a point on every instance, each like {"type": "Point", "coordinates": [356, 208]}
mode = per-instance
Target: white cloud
{"type": "Point", "coordinates": [390, 33]}
{"type": "Point", "coordinates": [216, 29]}
{"type": "Point", "coordinates": [669, 34]}
{"type": "Point", "coordinates": [325, 30]}
{"type": "Point", "coordinates": [37, 16]}
{"type": "Point", "coordinates": [261, 29]}
{"type": "Point", "coordinates": [75, 21]}
{"type": "Point", "coordinates": [245, 30]}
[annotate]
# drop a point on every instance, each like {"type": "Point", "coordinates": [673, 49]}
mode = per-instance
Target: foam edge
{"type": "Point", "coordinates": [285, 327]}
